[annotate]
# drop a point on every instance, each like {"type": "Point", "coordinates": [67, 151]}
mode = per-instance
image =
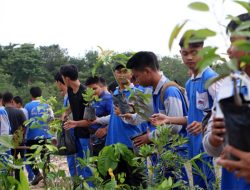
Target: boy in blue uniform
{"type": "Point", "coordinates": [38, 134]}
{"type": "Point", "coordinates": [121, 132]}
{"type": "Point", "coordinates": [200, 99]}
{"type": "Point", "coordinates": [103, 108]}
{"type": "Point", "coordinates": [145, 69]}
{"type": "Point", "coordinates": [237, 176]}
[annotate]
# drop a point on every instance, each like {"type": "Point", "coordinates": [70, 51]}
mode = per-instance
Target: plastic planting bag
{"type": "Point", "coordinates": [237, 117]}
{"type": "Point", "coordinates": [66, 143]}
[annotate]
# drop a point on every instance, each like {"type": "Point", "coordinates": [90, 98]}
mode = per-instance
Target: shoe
{"type": "Point", "coordinates": [37, 179]}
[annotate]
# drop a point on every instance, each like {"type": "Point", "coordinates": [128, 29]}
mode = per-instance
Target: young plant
{"type": "Point", "coordinates": [90, 98]}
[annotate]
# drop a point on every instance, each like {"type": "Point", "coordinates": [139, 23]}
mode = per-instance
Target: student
{"type": "Point", "coordinates": [16, 119]}
{"type": "Point", "coordinates": [18, 103]}
{"type": "Point", "coordinates": [103, 108]}
{"type": "Point", "coordinates": [237, 176]}
{"type": "Point", "coordinates": [4, 120]}
{"type": "Point", "coordinates": [37, 135]}
{"type": "Point", "coordinates": [119, 131]}
{"type": "Point", "coordinates": [200, 99]}
{"type": "Point", "coordinates": [71, 159]}
{"type": "Point", "coordinates": [75, 90]}
{"type": "Point", "coordinates": [145, 69]}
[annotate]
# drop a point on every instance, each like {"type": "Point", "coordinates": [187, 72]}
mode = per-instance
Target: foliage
{"type": "Point", "coordinates": [89, 97]}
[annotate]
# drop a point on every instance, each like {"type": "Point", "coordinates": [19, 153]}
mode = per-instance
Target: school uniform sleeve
{"type": "Point", "coordinates": [210, 149]}
{"type": "Point", "coordinates": [214, 89]}
{"type": "Point", "coordinates": [103, 120]}
{"type": "Point", "coordinates": [135, 120]}
{"type": "Point", "coordinates": [5, 125]}
{"type": "Point", "coordinates": [173, 106]}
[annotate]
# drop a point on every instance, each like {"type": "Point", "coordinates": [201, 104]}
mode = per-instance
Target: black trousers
{"type": "Point", "coordinates": [32, 151]}
{"type": "Point", "coordinates": [15, 153]}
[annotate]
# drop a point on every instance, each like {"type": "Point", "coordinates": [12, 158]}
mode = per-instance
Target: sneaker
{"type": "Point", "coordinates": [37, 179]}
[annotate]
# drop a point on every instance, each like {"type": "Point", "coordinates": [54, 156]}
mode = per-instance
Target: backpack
{"type": "Point", "coordinates": [172, 83]}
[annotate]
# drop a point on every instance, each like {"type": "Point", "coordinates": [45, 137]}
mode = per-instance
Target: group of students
{"type": "Point", "coordinates": [35, 132]}
{"type": "Point", "coordinates": [169, 105]}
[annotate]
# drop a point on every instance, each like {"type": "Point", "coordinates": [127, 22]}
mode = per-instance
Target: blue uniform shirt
{"type": "Point", "coordinates": [35, 110]}
{"type": "Point", "coordinates": [102, 107]}
{"type": "Point", "coordinates": [119, 131]}
{"type": "Point", "coordinates": [199, 100]}
{"type": "Point", "coordinates": [174, 104]}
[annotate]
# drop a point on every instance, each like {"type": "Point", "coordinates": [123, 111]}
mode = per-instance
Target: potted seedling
{"type": "Point", "coordinates": [90, 98]}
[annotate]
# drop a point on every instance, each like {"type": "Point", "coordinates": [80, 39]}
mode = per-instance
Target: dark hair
{"type": "Point", "coordinates": [193, 42]}
{"type": "Point", "coordinates": [95, 80]}
{"type": "Point", "coordinates": [70, 71]}
{"type": "Point", "coordinates": [1, 96]}
{"type": "Point", "coordinates": [58, 78]}
{"type": "Point", "coordinates": [35, 92]}
{"type": "Point", "coordinates": [143, 59]}
{"type": "Point", "coordinates": [18, 100]}
{"type": "Point", "coordinates": [103, 81]}
{"type": "Point", "coordinates": [235, 23]}
{"type": "Point", "coordinates": [112, 86]}
{"type": "Point", "coordinates": [7, 97]}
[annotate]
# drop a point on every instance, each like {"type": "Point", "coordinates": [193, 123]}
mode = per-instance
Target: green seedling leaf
{"type": "Point", "coordinates": [244, 4]}
{"type": "Point", "coordinates": [199, 6]}
{"type": "Point", "coordinates": [175, 33]}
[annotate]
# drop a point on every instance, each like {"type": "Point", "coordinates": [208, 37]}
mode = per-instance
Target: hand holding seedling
{"type": "Point", "coordinates": [69, 124]}
{"type": "Point", "coordinates": [117, 111]}
{"type": "Point", "coordinates": [240, 167]}
{"type": "Point", "coordinates": [218, 130]}
{"type": "Point", "coordinates": [141, 140]}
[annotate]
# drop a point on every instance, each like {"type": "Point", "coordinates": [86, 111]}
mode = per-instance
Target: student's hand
{"type": "Point", "coordinates": [64, 116]}
{"type": "Point", "coordinates": [127, 116]}
{"type": "Point", "coordinates": [141, 140]}
{"type": "Point", "coordinates": [117, 110]}
{"type": "Point", "coordinates": [241, 167]}
{"type": "Point", "coordinates": [195, 128]}
{"type": "Point", "coordinates": [218, 130]}
{"type": "Point", "coordinates": [101, 132]}
{"type": "Point", "coordinates": [159, 119]}
{"type": "Point", "coordinates": [69, 124]}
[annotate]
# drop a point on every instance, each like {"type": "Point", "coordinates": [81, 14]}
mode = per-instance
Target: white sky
{"type": "Point", "coordinates": [120, 25]}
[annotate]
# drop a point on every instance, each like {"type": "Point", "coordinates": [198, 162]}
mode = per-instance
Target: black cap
{"type": "Point", "coordinates": [118, 66]}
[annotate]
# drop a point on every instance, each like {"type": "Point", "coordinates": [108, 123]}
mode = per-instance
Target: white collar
{"type": "Point", "coordinates": [161, 82]}
{"type": "Point", "coordinates": [199, 75]}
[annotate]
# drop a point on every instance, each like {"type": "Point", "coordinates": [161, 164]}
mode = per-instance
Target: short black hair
{"type": "Point", "coordinates": [58, 78]}
{"type": "Point", "coordinates": [95, 80]}
{"type": "Point", "coordinates": [35, 92]}
{"type": "Point", "coordinates": [18, 100]}
{"type": "Point", "coordinates": [112, 86]}
{"type": "Point", "coordinates": [7, 97]}
{"type": "Point", "coordinates": [103, 81]}
{"type": "Point", "coordinates": [143, 59]}
{"type": "Point", "coordinates": [193, 42]}
{"type": "Point", "coordinates": [1, 96]}
{"type": "Point", "coordinates": [70, 71]}
{"type": "Point", "coordinates": [235, 23]}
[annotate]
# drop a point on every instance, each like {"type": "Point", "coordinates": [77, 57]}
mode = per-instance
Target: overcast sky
{"type": "Point", "coordinates": [120, 25]}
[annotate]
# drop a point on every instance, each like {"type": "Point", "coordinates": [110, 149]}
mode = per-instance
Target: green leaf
{"type": "Point", "coordinates": [24, 184]}
{"type": "Point", "coordinates": [199, 6]}
{"type": "Point", "coordinates": [175, 33]}
{"type": "Point", "coordinates": [204, 33]}
{"type": "Point", "coordinates": [244, 4]}
{"type": "Point", "coordinates": [7, 141]}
